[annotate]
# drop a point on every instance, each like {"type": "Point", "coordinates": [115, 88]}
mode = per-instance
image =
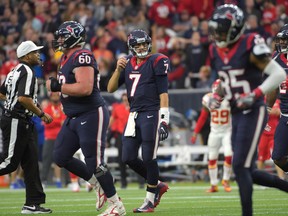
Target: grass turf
{"type": "Point", "coordinates": [182, 199]}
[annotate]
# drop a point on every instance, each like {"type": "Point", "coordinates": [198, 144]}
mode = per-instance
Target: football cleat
{"type": "Point", "coordinates": [147, 207]}
{"type": "Point", "coordinates": [161, 189]}
{"type": "Point", "coordinates": [35, 209]}
{"type": "Point", "coordinates": [213, 189]}
{"type": "Point", "coordinates": [100, 196]}
{"type": "Point", "coordinates": [114, 209]}
{"type": "Point", "coordinates": [226, 185]}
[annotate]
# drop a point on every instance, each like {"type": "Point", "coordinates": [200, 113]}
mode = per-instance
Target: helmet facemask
{"type": "Point", "coordinates": [139, 40]}
{"type": "Point", "coordinates": [281, 41]}
{"type": "Point", "coordinates": [227, 25]}
{"type": "Point", "coordinates": [71, 33]}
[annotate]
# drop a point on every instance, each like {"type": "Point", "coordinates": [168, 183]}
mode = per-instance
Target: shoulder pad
{"type": "Point", "coordinates": [205, 99]}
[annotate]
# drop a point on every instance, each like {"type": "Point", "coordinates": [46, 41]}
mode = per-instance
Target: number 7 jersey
{"type": "Point", "coordinates": [145, 81]}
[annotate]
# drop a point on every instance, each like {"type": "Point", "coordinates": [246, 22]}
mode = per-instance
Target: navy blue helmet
{"type": "Point", "coordinates": [137, 37]}
{"type": "Point", "coordinates": [227, 24]}
{"type": "Point", "coordinates": [72, 32]}
{"type": "Point", "coordinates": [281, 41]}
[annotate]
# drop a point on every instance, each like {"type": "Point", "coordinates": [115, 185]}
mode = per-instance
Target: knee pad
{"type": "Point", "coordinates": [101, 170]}
{"type": "Point", "coordinates": [282, 163]}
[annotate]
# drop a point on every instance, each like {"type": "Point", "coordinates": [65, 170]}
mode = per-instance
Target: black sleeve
{"type": "Point", "coordinates": [162, 84]}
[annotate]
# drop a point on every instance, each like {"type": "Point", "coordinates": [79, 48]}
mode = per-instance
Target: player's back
{"type": "Point", "coordinates": [74, 106]}
{"type": "Point", "coordinates": [220, 120]}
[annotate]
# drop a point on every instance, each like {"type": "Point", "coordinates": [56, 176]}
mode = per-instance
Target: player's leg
{"type": "Point", "coordinates": [227, 167]}
{"type": "Point", "coordinates": [246, 131]}
{"type": "Point", "coordinates": [280, 150]}
{"type": "Point", "coordinates": [263, 151]}
{"type": "Point", "coordinates": [214, 143]}
{"type": "Point", "coordinates": [92, 142]}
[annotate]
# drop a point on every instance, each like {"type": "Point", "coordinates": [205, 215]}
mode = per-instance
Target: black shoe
{"type": "Point", "coordinates": [35, 209]}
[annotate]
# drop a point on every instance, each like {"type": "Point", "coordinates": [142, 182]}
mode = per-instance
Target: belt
{"type": "Point", "coordinates": [11, 114]}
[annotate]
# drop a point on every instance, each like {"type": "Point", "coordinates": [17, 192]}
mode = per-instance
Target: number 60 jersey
{"type": "Point", "coordinates": [220, 118]}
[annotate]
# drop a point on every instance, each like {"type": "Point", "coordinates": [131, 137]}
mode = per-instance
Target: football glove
{"type": "Point", "coordinates": [247, 100]}
{"type": "Point", "coordinates": [193, 138]}
{"type": "Point", "coordinates": [214, 101]}
{"type": "Point", "coordinates": [163, 131]}
{"type": "Point", "coordinates": [55, 86]}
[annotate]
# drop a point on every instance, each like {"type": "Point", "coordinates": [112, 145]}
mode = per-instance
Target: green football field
{"type": "Point", "coordinates": [182, 199]}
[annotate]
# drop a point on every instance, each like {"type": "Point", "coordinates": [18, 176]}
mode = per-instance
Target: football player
{"type": "Point", "coordinates": [280, 151]}
{"type": "Point", "coordinates": [87, 116]}
{"type": "Point", "coordinates": [220, 135]}
{"type": "Point", "coordinates": [145, 77]}
{"type": "Point", "coordinates": [240, 60]}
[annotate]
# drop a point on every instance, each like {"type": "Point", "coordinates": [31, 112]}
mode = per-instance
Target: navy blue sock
{"type": "Point", "coordinates": [107, 184]}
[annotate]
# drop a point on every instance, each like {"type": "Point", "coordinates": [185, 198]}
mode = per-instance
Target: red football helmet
{"type": "Point", "coordinates": [215, 85]}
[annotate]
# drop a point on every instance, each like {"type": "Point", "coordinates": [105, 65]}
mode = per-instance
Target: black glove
{"type": "Point", "coordinates": [163, 131]}
{"type": "Point", "coordinates": [55, 86]}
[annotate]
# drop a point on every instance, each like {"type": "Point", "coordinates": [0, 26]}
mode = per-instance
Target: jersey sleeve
{"type": "Point", "coordinates": [162, 65]}
{"type": "Point", "coordinates": [26, 83]}
{"type": "Point", "coordinates": [258, 45]}
{"type": "Point", "coordinates": [83, 58]}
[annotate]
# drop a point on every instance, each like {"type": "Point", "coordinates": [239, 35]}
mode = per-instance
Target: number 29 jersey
{"type": "Point", "coordinates": [142, 82]}
{"type": "Point", "coordinates": [220, 120]}
{"type": "Point", "coordinates": [74, 106]}
{"type": "Point", "coordinates": [233, 66]}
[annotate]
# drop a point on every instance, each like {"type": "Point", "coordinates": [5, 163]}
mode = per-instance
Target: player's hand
{"type": "Point", "coordinates": [245, 100]}
{"type": "Point", "coordinates": [194, 138]}
{"type": "Point", "coordinates": [55, 86]}
{"type": "Point", "coordinates": [47, 118]}
{"type": "Point", "coordinates": [214, 101]}
{"type": "Point", "coordinates": [121, 64]}
{"type": "Point", "coordinates": [163, 131]}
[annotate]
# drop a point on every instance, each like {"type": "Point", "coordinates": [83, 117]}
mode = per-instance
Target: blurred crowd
{"type": "Point", "coordinates": [179, 29]}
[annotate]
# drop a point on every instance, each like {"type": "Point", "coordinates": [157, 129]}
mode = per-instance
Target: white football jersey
{"type": "Point", "coordinates": [220, 118]}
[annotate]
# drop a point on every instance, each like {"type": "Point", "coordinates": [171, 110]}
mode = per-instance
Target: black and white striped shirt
{"type": "Point", "coordinates": [20, 81]}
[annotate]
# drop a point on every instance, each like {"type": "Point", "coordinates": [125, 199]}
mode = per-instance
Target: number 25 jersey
{"type": "Point", "coordinates": [233, 66]}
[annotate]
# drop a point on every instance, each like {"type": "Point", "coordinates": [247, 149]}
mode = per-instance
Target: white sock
{"type": "Point", "coordinates": [113, 199]}
{"type": "Point", "coordinates": [92, 180]}
{"type": "Point", "coordinates": [150, 196]}
{"type": "Point", "coordinates": [213, 176]}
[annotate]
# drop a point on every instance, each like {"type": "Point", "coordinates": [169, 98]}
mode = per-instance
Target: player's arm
{"type": "Point", "coordinates": [261, 58]}
{"type": "Point", "coordinates": [84, 82]}
{"type": "Point", "coordinates": [113, 82]}
{"type": "Point", "coordinates": [270, 99]}
{"type": "Point", "coordinates": [3, 91]}
{"type": "Point", "coordinates": [200, 123]}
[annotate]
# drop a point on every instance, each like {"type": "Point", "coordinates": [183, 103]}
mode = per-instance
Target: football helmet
{"type": "Point", "coordinates": [72, 32]}
{"type": "Point", "coordinates": [215, 85]}
{"type": "Point", "coordinates": [227, 24]}
{"type": "Point", "coordinates": [281, 41]}
{"type": "Point", "coordinates": [137, 37]}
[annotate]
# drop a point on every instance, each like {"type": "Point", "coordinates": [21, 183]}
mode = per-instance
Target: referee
{"type": "Point", "coordinates": [19, 91]}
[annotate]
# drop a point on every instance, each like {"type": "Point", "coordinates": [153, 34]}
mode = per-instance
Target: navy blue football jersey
{"type": "Point", "coordinates": [140, 81]}
{"type": "Point", "coordinates": [283, 88]}
{"type": "Point", "coordinates": [74, 106]}
{"type": "Point", "coordinates": [238, 75]}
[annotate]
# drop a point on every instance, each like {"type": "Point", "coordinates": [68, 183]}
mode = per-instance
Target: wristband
{"type": "Point", "coordinates": [41, 114]}
{"type": "Point", "coordinates": [164, 114]}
